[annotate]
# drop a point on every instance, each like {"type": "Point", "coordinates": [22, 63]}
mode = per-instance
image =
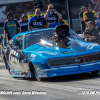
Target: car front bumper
{"type": "Point", "coordinates": [68, 70]}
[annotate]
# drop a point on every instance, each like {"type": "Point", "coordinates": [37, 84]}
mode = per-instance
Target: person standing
{"type": "Point", "coordinates": [11, 27]}
{"type": "Point", "coordinates": [98, 21]}
{"type": "Point", "coordinates": [24, 23]}
{"type": "Point", "coordinates": [83, 25]}
{"type": "Point", "coordinates": [89, 15]}
{"type": "Point", "coordinates": [37, 21]}
{"type": "Point", "coordinates": [52, 15]}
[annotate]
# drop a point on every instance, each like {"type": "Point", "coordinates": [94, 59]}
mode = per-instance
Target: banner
{"type": "Point", "coordinates": [97, 5]}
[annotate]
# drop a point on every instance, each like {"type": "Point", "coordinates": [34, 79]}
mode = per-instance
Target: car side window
{"type": "Point", "coordinates": [18, 42]}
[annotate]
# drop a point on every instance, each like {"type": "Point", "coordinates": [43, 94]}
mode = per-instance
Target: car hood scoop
{"type": "Point", "coordinates": [71, 43]}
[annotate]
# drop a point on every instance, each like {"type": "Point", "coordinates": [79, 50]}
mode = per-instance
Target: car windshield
{"type": "Point", "coordinates": [36, 37]}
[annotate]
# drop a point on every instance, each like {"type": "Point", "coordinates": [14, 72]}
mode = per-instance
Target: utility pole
{"type": "Point", "coordinates": [69, 14]}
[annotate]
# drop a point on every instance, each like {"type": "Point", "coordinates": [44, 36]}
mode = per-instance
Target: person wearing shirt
{"type": "Point", "coordinates": [91, 33]}
{"type": "Point", "coordinates": [98, 21]}
{"type": "Point", "coordinates": [89, 15]}
{"type": "Point", "coordinates": [52, 15]}
{"type": "Point", "coordinates": [24, 23]}
{"type": "Point", "coordinates": [11, 27]}
{"type": "Point", "coordinates": [83, 25]}
{"type": "Point", "coordinates": [62, 22]}
{"type": "Point", "coordinates": [37, 21]}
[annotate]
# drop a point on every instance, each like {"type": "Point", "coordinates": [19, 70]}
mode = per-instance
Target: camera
{"type": "Point", "coordinates": [86, 32]}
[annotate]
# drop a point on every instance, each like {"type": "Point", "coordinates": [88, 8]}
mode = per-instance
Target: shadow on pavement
{"type": "Point", "coordinates": [67, 78]}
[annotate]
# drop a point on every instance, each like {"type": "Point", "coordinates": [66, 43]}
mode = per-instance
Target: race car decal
{"type": "Point", "coordinates": [68, 52]}
{"type": "Point", "coordinates": [13, 58]}
{"type": "Point", "coordinates": [32, 56]}
{"type": "Point", "coordinates": [5, 49]}
{"type": "Point", "coordinates": [15, 73]}
{"type": "Point", "coordinates": [91, 46]}
{"type": "Point", "coordinates": [78, 50]}
{"type": "Point", "coordinates": [49, 52]}
{"type": "Point", "coordinates": [11, 41]}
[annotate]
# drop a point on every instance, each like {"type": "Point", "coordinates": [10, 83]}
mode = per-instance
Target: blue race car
{"type": "Point", "coordinates": [35, 53]}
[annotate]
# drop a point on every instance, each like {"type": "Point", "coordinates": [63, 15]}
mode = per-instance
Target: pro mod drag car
{"type": "Point", "coordinates": [33, 53]}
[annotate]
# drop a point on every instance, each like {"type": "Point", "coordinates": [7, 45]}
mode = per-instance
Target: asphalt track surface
{"type": "Point", "coordinates": [84, 86]}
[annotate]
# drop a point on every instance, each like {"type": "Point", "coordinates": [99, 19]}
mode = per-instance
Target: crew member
{"type": "Point", "coordinates": [37, 21]}
{"type": "Point", "coordinates": [62, 22]}
{"type": "Point", "coordinates": [52, 15]}
{"type": "Point", "coordinates": [98, 21]}
{"type": "Point", "coordinates": [89, 15]}
{"type": "Point", "coordinates": [83, 25]}
{"type": "Point", "coordinates": [11, 27]}
{"type": "Point", "coordinates": [24, 23]}
{"type": "Point", "coordinates": [91, 33]}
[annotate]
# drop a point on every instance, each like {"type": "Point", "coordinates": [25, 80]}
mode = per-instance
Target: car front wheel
{"type": "Point", "coordinates": [36, 76]}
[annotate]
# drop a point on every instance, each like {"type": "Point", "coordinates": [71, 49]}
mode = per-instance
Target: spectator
{"type": "Point", "coordinates": [91, 33]}
{"type": "Point", "coordinates": [83, 25]}
{"type": "Point", "coordinates": [24, 23]}
{"type": "Point", "coordinates": [37, 21]}
{"type": "Point", "coordinates": [62, 22]}
{"type": "Point", "coordinates": [89, 15]}
{"type": "Point", "coordinates": [52, 15]}
{"type": "Point", "coordinates": [11, 27]}
{"type": "Point", "coordinates": [98, 21]}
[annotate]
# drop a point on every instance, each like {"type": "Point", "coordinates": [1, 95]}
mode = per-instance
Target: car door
{"type": "Point", "coordinates": [17, 60]}
{"type": "Point", "coordinates": [15, 49]}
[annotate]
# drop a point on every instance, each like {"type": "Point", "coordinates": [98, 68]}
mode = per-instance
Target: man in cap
{"type": "Point", "coordinates": [11, 27]}
{"type": "Point", "coordinates": [23, 23]}
{"type": "Point", "coordinates": [83, 25]}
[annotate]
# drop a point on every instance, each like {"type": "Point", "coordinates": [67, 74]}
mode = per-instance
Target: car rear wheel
{"type": "Point", "coordinates": [6, 65]}
{"type": "Point", "coordinates": [8, 68]}
{"type": "Point", "coordinates": [95, 72]}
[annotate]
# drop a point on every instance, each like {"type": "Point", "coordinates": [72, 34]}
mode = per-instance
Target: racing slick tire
{"type": "Point", "coordinates": [9, 69]}
{"type": "Point", "coordinates": [37, 78]}
{"type": "Point", "coordinates": [6, 65]}
{"type": "Point", "coordinates": [95, 72]}
{"type": "Point", "coordinates": [33, 70]}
